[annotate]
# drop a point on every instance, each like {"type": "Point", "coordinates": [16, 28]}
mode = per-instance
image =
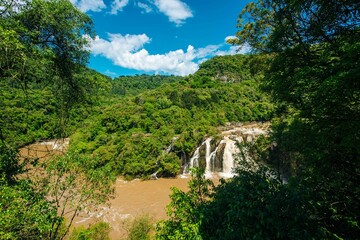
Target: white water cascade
{"type": "Point", "coordinates": [207, 156]}
{"type": "Point", "coordinates": [219, 157]}
{"type": "Point", "coordinates": [194, 161]}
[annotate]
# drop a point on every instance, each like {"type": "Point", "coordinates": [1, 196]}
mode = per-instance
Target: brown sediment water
{"type": "Point", "coordinates": [44, 150]}
{"type": "Point", "coordinates": [134, 198]}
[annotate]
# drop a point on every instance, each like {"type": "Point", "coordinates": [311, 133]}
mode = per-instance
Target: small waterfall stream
{"type": "Point", "coordinates": [207, 156]}
{"type": "Point", "coordinates": [229, 157]}
{"type": "Point", "coordinates": [194, 161]}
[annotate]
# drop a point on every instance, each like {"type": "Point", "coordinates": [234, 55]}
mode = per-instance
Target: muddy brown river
{"type": "Point", "coordinates": [132, 198]}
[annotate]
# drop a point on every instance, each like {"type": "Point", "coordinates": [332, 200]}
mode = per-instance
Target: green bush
{"type": "Point", "coordinates": [140, 228]}
{"type": "Point", "coordinates": [98, 231]}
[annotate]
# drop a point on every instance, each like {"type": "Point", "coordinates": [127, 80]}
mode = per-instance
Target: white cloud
{"type": "Point", "coordinates": [234, 50]}
{"type": "Point", "coordinates": [110, 73]}
{"type": "Point", "coordinates": [230, 37]}
{"type": "Point", "coordinates": [207, 51]}
{"type": "Point", "coordinates": [231, 51]}
{"type": "Point", "coordinates": [128, 51]}
{"type": "Point", "coordinates": [89, 5]}
{"type": "Point", "coordinates": [118, 5]}
{"type": "Point", "coordinates": [176, 10]}
{"type": "Point", "coordinates": [145, 7]}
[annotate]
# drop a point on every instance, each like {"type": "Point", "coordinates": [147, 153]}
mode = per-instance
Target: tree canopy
{"type": "Point", "coordinates": [314, 76]}
{"type": "Point", "coordinates": [42, 75]}
{"type": "Point", "coordinates": [43, 46]}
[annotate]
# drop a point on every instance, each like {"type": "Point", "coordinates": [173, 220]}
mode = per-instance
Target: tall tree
{"type": "Point", "coordinates": [185, 210]}
{"type": "Point", "coordinates": [44, 42]}
{"type": "Point", "coordinates": [315, 72]}
{"type": "Point", "coordinates": [43, 46]}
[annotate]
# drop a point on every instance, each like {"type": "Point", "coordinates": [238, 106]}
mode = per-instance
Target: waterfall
{"type": "Point", "coordinates": [207, 157]}
{"type": "Point", "coordinates": [194, 161]}
{"type": "Point", "coordinates": [223, 159]}
{"type": "Point", "coordinates": [169, 148]}
{"type": "Point", "coordinates": [185, 170]}
{"type": "Point", "coordinates": [228, 157]}
{"type": "Point", "coordinates": [221, 163]}
{"type": "Point", "coordinates": [212, 159]}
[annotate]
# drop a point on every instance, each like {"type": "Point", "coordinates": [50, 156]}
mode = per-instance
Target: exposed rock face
{"type": "Point", "coordinates": [218, 166]}
{"type": "Point", "coordinates": [202, 156]}
{"type": "Point", "coordinates": [221, 157]}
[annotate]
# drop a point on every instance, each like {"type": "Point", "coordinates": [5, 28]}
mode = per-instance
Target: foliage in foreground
{"type": "Point", "coordinates": [74, 183]}
{"type": "Point", "coordinates": [252, 205]}
{"type": "Point", "coordinates": [255, 205]}
{"type": "Point", "coordinates": [42, 69]}
{"type": "Point", "coordinates": [140, 228]}
{"type": "Point", "coordinates": [24, 212]}
{"type": "Point", "coordinates": [314, 75]}
{"type": "Point", "coordinates": [98, 231]}
{"type": "Point", "coordinates": [186, 209]}
{"type": "Point", "coordinates": [36, 207]}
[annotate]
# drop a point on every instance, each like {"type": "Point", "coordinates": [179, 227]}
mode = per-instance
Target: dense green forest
{"type": "Point", "coordinates": [33, 112]}
{"type": "Point", "coordinates": [131, 136]}
{"type": "Point", "coordinates": [133, 85]}
{"type": "Point", "coordinates": [302, 75]}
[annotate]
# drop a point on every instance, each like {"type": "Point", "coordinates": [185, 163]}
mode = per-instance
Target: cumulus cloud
{"type": "Point", "coordinates": [89, 5]}
{"type": "Point", "coordinates": [128, 51]}
{"type": "Point", "coordinates": [208, 50]}
{"type": "Point", "coordinates": [118, 5]}
{"type": "Point", "coordinates": [110, 73]}
{"type": "Point", "coordinates": [145, 7]}
{"type": "Point", "coordinates": [230, 37]}
{"type": "Point", "coordinates": [176, 10]}
{"type": "Point", "coordinates": [231, 51]}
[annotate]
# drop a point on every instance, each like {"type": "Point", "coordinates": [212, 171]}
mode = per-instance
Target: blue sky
{"type": "Point", "coordinates": [159, 36]}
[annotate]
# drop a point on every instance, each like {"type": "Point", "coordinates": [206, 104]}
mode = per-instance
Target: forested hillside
{"type": "Point", "coordinates": [131, 136]}
{"type": "Point", "coordinates": [33, 112]}
{"type": "Point", "coordinates": [231, 69]}
{"type": "Point", "coordinates": [132, 85]}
